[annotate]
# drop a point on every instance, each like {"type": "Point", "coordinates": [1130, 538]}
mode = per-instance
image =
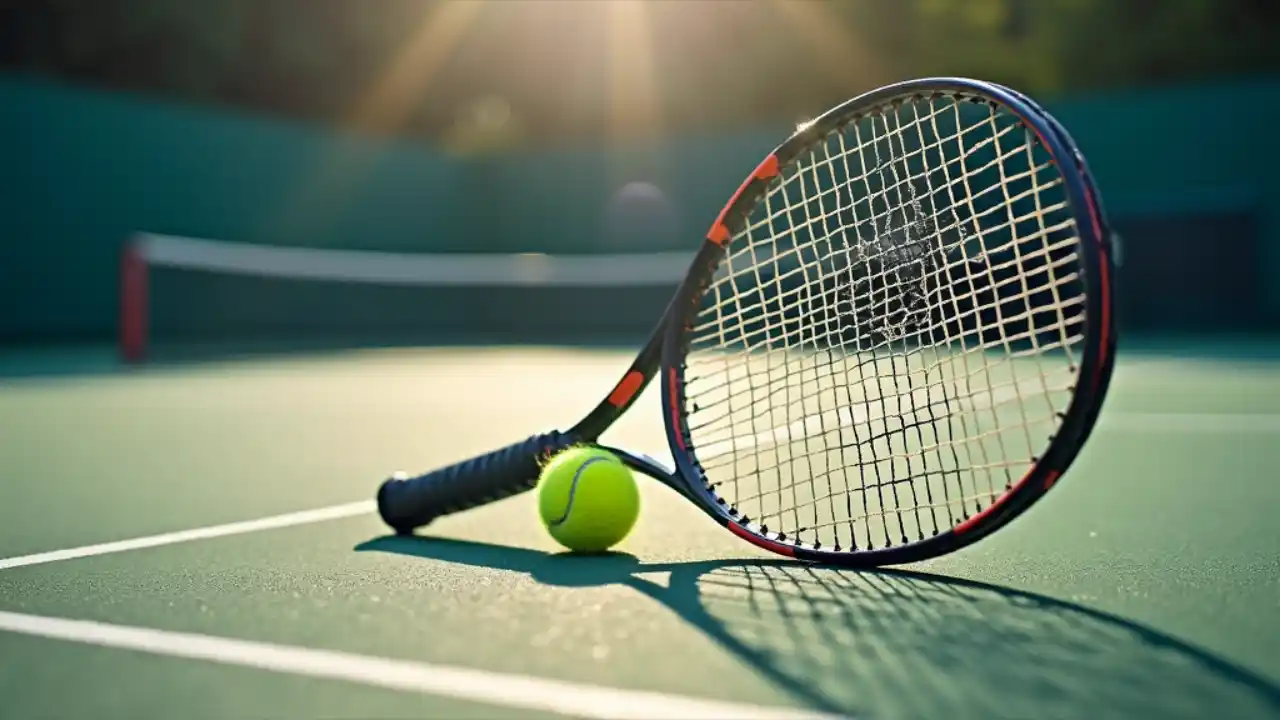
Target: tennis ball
{"type": "Point", "coordinates": [588, 499]}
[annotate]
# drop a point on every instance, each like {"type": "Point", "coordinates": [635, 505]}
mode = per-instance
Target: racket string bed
{"type": "Point", "coordinates": [894, 333]}
{"type": "Point", "coordinates": [896, 337]}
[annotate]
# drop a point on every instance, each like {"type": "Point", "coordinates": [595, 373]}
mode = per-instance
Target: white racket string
{"type": "Point", "coordinates": [893, 336]}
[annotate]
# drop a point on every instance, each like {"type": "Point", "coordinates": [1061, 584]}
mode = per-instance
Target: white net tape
{"type": "Point", "coordinates": [422, 269]}
{"type": "Point", "coordinates": [889, 342]}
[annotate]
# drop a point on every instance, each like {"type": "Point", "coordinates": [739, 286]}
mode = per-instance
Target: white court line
{"type": "Point", "coordinates": [305, 517]}
{"type": "Point", "coordinates": [513, 691]}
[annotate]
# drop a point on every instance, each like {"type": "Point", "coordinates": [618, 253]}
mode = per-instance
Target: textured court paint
{"type": "Point", "coordinates": [503, 690]}
{"type": "Point", "coordinates": [1182, 439]}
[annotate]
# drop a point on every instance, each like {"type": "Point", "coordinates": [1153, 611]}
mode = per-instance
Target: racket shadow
{"type": "Point", "coordinates": [895, 643]}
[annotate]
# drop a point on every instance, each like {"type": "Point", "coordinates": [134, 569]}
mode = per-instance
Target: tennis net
{"type": "Point", "coordinates": [191, 291]}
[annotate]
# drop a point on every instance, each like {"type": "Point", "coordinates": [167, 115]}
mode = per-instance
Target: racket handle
{"type": "Point", "coordinates": [409, 503]}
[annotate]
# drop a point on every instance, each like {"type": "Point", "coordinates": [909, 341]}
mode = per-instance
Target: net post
{"type": "Point", "coordinates": [134, 301]}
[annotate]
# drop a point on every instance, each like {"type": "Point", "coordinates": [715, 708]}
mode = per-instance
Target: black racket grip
{"type": "Point", "coordinates": [409, 503]}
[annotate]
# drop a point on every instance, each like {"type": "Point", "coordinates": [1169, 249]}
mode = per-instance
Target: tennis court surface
{"type": "Point", "coordinates": [198, 540]}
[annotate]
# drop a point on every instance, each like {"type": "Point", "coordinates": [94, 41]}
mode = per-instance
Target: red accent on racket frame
{"type": "Point", "coordinates": [771, 546]}
{"type": "Point", "coordinates": [969, 524]}
{"type": "Point", "coordinates": [1095, 219]}
{"type": "Point", "coordinates": [673, 378]}
{"type": "Point", "coordinates": [626, 388]}
{"type": "Point", "coordinates": [1105, 277]}
{"type": "Point", "coordinates": [766, 170]}
{"type": "Point", "coordinates": [972, 522]}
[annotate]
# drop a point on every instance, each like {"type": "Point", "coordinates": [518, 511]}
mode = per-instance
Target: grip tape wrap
{"type": "Point", "coordinates": [406, 504]}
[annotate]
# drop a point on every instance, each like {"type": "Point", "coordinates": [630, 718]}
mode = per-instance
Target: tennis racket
{"type": "Point", "coordinates": [895, 338]}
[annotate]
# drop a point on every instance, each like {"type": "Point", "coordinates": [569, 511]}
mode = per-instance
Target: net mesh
{"type": "Point", "coordinates": [894, 335]}
{"type": "Point", "coordinates": [202, 295]}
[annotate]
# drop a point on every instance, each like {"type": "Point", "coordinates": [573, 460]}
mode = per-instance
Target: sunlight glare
{"type": "Point", "coordinates": [632, 86]}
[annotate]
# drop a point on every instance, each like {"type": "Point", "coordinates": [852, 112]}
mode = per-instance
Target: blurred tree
{"type": "Point", "coordinates": [183, 49]}
{"type": "Point", "coordinates": [1050, 46]}
{"type": "Point", "coordinates": [712, 63]}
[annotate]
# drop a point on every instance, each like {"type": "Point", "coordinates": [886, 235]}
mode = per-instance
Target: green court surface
{"type": "Point", "coordinates": [1146, 585]}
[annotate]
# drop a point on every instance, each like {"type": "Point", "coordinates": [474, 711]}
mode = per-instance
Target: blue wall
{"type": "Point", "coordinates": [82, 170]}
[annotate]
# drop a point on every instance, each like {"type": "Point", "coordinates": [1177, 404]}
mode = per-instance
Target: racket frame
{"type": "Point", "coordinates": [407, 504]}
{"type": "Point", "coordinates": [1096, 365]}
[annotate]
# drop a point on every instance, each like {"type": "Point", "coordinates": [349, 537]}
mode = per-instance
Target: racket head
{"type": "Point", "coordinates": [1080, 251]}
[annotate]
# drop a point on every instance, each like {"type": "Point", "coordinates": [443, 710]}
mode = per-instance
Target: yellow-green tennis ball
{"type": "Point", "coordinates": [588, 499]}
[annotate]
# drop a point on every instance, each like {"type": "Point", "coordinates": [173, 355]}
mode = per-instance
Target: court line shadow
{"type": "Point", "coordinates": [894, 643]}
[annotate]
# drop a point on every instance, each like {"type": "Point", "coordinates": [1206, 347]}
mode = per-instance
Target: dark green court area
{"type": "Point", "coordinates": [1146, 585]}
